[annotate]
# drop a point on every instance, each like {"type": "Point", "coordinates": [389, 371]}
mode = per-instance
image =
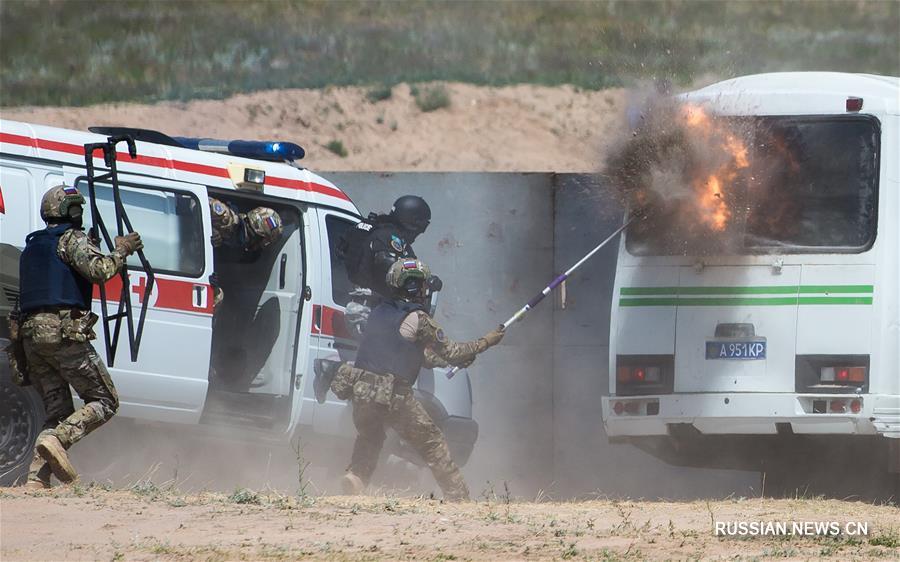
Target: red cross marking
{"type": "Point", "coordinates": [139, 289]}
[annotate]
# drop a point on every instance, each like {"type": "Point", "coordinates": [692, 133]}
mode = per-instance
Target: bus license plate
{"type": "Point", "coordinates": [735, 350]}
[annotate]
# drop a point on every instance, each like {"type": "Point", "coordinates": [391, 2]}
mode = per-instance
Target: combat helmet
{"type": "Point", "coordinates": [408, 278]}
{"type": "Point", "coordinates": [412, 213]}
{"type": "Point", "coordinates": [266, 226]}
{"type": "Point", "coordinates": [60, 202]}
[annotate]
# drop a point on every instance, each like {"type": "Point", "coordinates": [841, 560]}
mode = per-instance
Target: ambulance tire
{"type": "Point", "coordinates": [21, 418]}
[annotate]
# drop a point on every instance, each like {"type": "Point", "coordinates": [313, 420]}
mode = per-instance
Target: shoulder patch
{"type": "Point", "coordinates": [364, 226]}
{"type": "Point", "coordinates": [218, 208]}
{"type": "Point", "coordinates": [440, 336]}
{"type": "Point", "coordinates": [397, 243]}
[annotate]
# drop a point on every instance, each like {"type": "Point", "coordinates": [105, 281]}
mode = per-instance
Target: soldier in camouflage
{"type": "Point", "coordinates": [399, 340]}
{"type": "Point", "coordinates": [58, 268]}
{"type": "Point", "coordinates": [253, 231]}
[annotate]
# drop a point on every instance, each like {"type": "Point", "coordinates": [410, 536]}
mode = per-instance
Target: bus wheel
{"type": "Point", "coordinates": [21, 418]}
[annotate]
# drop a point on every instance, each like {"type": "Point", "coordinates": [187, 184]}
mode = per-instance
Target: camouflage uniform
{"type": "Point", "coordinates": [250, 232]}
{"type": "Point", "coordinates": [59, 355]}
{"type": "Point", "coordinates": [224, 222]}
{"type": "Point", "coordinates": [382, 399]}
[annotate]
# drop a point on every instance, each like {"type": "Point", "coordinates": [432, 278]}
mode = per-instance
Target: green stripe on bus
{"type": "Point", "coordinates": [773, 301]}
{"type": "Point", "coordinates": [757, 290]}
{"type": "Point", "coordinates": [837, 289]}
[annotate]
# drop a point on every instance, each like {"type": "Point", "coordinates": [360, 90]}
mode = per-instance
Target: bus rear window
{"type": "Point", "coordinates": [811, 187]}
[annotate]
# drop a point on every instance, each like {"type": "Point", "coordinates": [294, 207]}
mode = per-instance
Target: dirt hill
{"type": "Point", "coordinates": [520, 128]}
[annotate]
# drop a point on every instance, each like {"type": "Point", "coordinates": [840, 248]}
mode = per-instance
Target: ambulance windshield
{"type": "Point", "coordinates": [811, 186]}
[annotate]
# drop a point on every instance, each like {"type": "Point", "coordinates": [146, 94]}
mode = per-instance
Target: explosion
{"type": "Point", "coordinates": [690, 166]}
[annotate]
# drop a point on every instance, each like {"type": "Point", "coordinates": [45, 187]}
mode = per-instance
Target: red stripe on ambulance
{"type": "Point", "coordinates": [171, 294]}
{"type": "Point", "coordinates": [180, 165]}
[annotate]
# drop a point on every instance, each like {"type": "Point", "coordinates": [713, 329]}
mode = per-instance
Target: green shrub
{"type": "Point", "coordinates": [432, 98]}
{"type": "Point", "coordinates": [338, 148]}
{"type": "Point", "coordinates": [244, 495]}
{"type": "Point", "coordinates": [379, 93]}
{"type": "Point", "coordinates": [891, 540]}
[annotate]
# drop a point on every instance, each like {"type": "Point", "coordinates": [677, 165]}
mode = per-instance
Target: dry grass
{"type": "Point", "coordinates": [160, 522]}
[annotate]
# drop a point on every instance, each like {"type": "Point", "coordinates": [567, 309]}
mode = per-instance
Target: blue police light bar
{"type": "Point", "coordinates": [273, 151]}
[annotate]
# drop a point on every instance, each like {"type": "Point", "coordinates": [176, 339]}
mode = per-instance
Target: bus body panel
{"type": "Point", "coordinates": [644, 329]}
{"type": "Point", "coordinates": [773, 319]}
{"type": "Point", "coordinates": [842, 328]}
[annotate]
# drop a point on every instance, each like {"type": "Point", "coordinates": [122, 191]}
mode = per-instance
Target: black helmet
{"type": "Point", "coordinates": [412, 213]}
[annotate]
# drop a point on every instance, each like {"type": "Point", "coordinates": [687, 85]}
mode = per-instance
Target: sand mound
{"type": "Point", "coordinates": [515, 128]}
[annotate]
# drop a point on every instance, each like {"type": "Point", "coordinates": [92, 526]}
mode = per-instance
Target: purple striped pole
{"type": "Point", "coordinates": [554, 284]}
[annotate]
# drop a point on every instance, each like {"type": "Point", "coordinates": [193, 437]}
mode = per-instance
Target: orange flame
{"type": "Point", "coordinates": [715, 212]}
{"type": "Point", "coordinates": [710, 187]}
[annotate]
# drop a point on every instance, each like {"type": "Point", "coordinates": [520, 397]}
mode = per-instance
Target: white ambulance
{"type": "Point", "coordinates": [781, 355]}
{"type": "Point", "coordinates": [249, 367]}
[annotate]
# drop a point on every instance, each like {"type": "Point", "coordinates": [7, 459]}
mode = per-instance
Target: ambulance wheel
{"type": "Point", "coordinates": [21, 418]}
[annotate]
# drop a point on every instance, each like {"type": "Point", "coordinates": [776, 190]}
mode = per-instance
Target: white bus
{"type": "Point", "coordinates": [781, 355]}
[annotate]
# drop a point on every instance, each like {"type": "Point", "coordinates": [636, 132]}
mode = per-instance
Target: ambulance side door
{"type": "Point", "coordinates": [331, 334]}
{"type": "Point", "coordinates": [169, 379]}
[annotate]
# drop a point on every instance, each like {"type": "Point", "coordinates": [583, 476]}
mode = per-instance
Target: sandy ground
{"type": "Point", "coordinates": [146, 523]}
{"type": "Point", "coordinates": [516, 128]}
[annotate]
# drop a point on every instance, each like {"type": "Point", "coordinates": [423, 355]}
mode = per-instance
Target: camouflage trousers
{"type": "Point", "coordinates": [53, 368]}
{"type": "Point", "coordinates": [408, 418]}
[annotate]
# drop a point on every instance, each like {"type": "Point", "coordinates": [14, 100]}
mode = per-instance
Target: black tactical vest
{"type": "Point", "coordinates": [45, 279]}
{"type": "Point", "coordinates": [383, 350]}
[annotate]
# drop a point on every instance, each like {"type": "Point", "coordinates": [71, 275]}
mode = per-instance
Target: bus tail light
{"type": "Point", "coordinates": [636, 407]}
{"type": "Point", "coordinates": [842, 375]}
{"type": "Point", "coordinates": [832, 374]}
{"type": "Point", "coordinates": [638, 375]}
{"type": "Point", "coordinates": [837, 406]}
{"type": "Point", "coordinates": [644, 374]}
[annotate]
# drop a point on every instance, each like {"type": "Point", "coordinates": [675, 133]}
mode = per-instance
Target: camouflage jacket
{"type": "Point", "coordinates": [440, 351]}
{"type": "Point", "coordinates": [77, 250]}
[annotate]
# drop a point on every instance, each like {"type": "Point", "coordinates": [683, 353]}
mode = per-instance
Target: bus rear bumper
{"type": "Point", "coordinates": [753, 414]}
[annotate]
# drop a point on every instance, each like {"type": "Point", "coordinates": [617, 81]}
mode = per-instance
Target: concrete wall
{"type": "Point", "coordinates": [496, 239]}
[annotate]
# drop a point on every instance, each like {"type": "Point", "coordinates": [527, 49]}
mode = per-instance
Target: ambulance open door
{"type": "Point", "coordinates": [169, 379]}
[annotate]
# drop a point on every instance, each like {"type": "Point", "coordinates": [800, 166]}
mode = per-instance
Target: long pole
{"type": "Point", "coordinates": [554, 284]}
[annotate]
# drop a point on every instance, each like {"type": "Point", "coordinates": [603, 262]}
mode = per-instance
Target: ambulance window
{"type": "Point", "coordinates": [170, 224]}
{"type": "Point", "coordinates": [340, 282]}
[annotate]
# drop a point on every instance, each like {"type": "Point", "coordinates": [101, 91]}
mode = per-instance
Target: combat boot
{"type": "Point", "coordinates": [52, 451]}
{"type": "Point", "coordinates": [36, 484]}
{"type": "Point", "coordinates": [352, 485]}
{"type": "Point", "coordinates": [325, 370]}
{"type": "Point", "coordinates": [456, 496]}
